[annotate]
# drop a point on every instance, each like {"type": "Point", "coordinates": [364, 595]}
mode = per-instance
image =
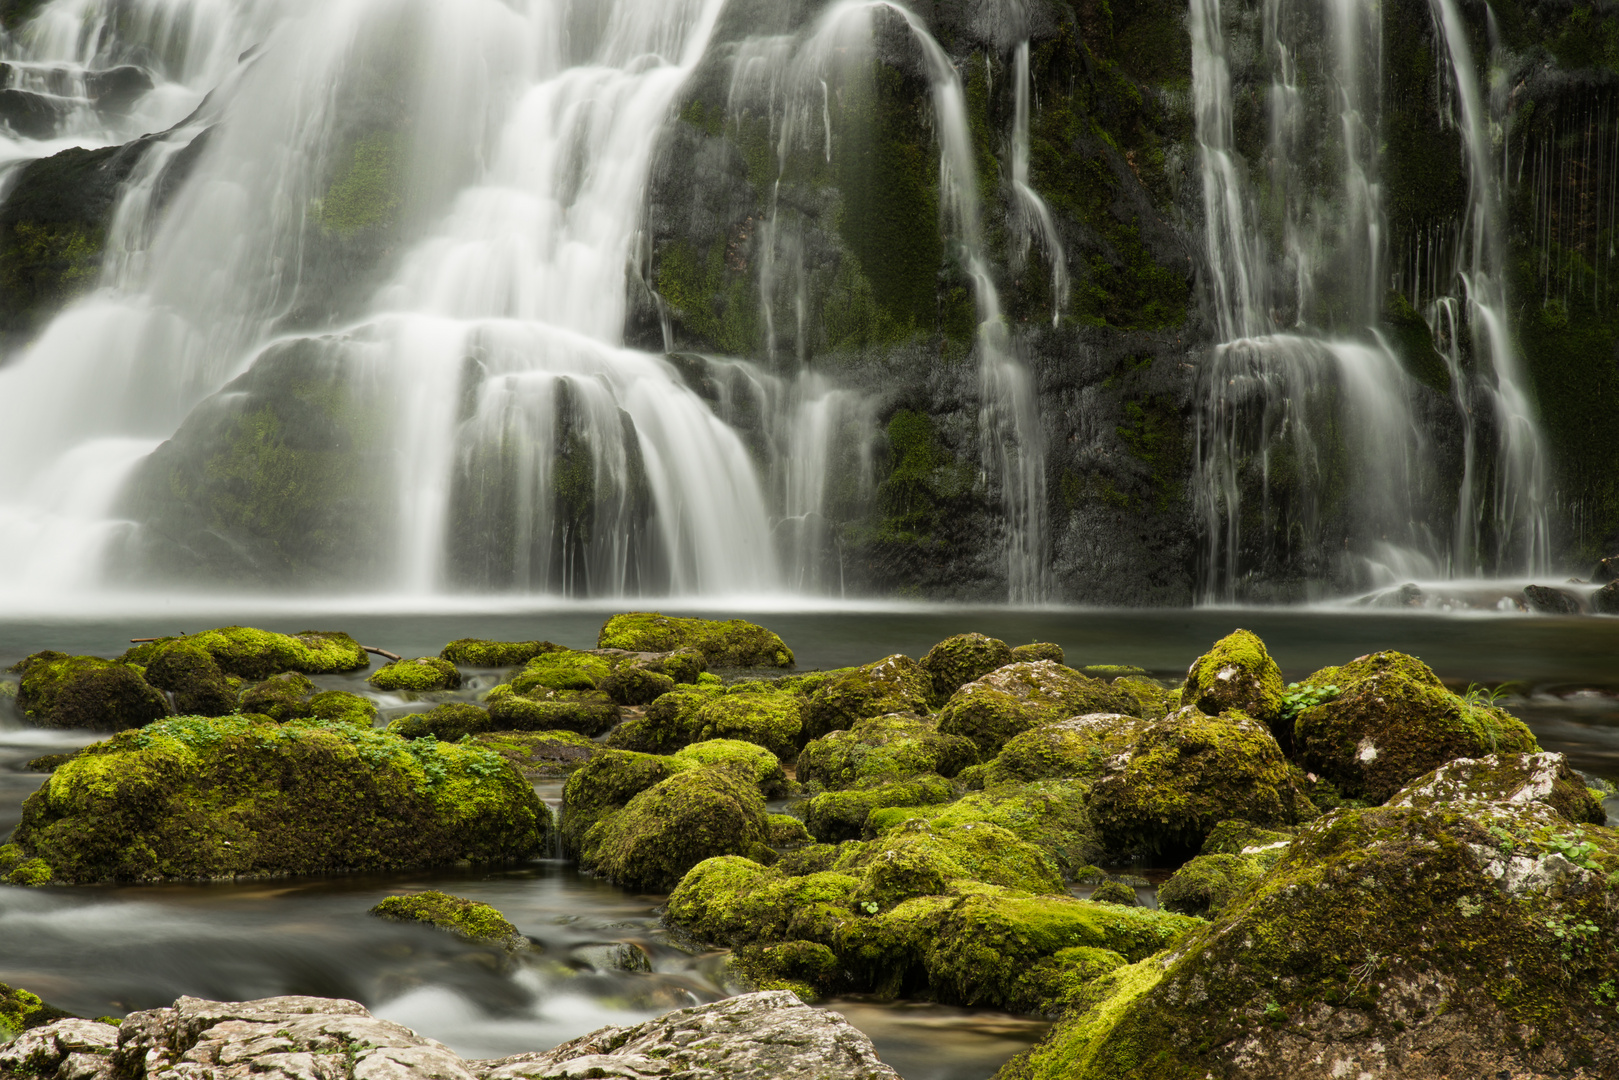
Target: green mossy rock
{"type": "Point", "coordinates": [919, 860]}
{"type": "Point", "coordinates": [677, 823]}
{"type": "Point", "coordinates": [732, 643]}
{"type": "Point", "coordinates": [805, 968]}
{"type": "Point", "coordinates": [755, 760]}
{"type": "Point", "coordinates": [894, 684]}
{"type": "Point", "coordinates": [684, 666]}
{"type": "Point", "coordinates": [883, 748]}
{"type": "Point", "coordinates": [188, 671]}
{"type": "Point", "coordinates": [1205, 885]}
{"type": "Point", "coordinates": [62, 691]}
{"type": "Point", "coordinates": [417, 676]}
{"type": "Point", "coordinates": [1117, 892]}
{"type": "Point", "coordinates": [589, 712]}
{"type": "Point", "coordinates": [1440, 943]}
{"type": "Point", "coordinates": [1078, 748]}
{"type": "Point", "coordinates": [478, 653]}
{"type": "Point", "coordinates": [670, 721]}
{"type": "Point", "coordinates": [1015, 698]}
{"type": "Point", "coordinates": [1236, 673]}
{"type": "Point", "coordinates": [772, 720]}
{"type": "Point", "coordinates": [957, 661]}
{"type": "Point", "coordinates": [1392, 721]}
{"type": "Point", "coordinates": [788, 831]}
{"type": "Point", "coordinates": [540, 755]}
{"type": "Point", "coordinates": [342, 707]}
{"type": "Point", "coordinates": [1037, 650]}
{"type": "Point", "coordinates": [21, 1010]}
{"type": "Point", "coordinates": [605, 783]}
{"type": "Point", "coordinates": [1049, 814]}
{"type": "Point", "coordinates": [1153, 700]}
{"type": "Point", "coordinates": [1188, 772]}
{"type": "Point", "coordinates": [841, 815]}
{"type": "Point", "coordinates": [563, 669]}
{"type": "Point", "coordinates": [1473, 785]}
{"type": "Point", "coordinates": [196, 797]}
{"type": "Point", "coordinates": [450, 722]}
{"type": "Point", "coordinates": [634, 684]}
{"type": "Point", "coordinates": [281, 697]}
{"type": "Point", "coordinates": [468, 918]}
{"type": "Point", "coordinates": [258, 654]}
{"type": "Point", "coordinates": [735, 901]}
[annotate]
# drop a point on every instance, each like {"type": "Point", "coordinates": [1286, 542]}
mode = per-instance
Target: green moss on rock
{"type": "Point", "coordinates": [841, 815]}
{"type": "Point", "coordinates": [894, 684]}
{"type": "Point", "coordinates": [1236, 673]}
{"type": "Point", "coordinates": [281, 697]}
{"type": "Point", "coordinates": [609, 780]}
{"type": "Point", "coordinates": [1037, 650]}
{"type": "Point", "coordinates": [805, 968]}
{"type": "Point", "coordinates": [1051, 815]}
{"type": "Point", "coordinates": [479, 653]}
{"type": "Point", "coordinates": [958, 660]}
{"type": "Point", "coordinates": [1015, 698]}
{"type": "Point", "coordinates": [418, 676]}
{"type": "Point", "coordinates": [257, 654]}
{"type": "Point", "coordinates": [21, 1010]}
{"type": "Point", "coordinates": [589, 712]}
{"type": "Point", "coordinates": [540, 755]}
{"type": "Point", "coordinates": [755, 760]}
{"type": "Point", "coordinates": [196, 797]}
{"type": "Point", "coordinates": [677, 823]}
{"type": "Point", "coordinates": [58, 690]}
{"type": "Point", "coordinates": [1392, 721]}
{"type": "Point", "coordinates": [883, 748]}
{"type": "Point", "coordinates": [731, 643]}
{"type": "Point", "coordinates": [771, 720]}
{"type": "Point", "coordinates": [342, 707]}
{"type": "Point", "coordinates": [1117, 892]}
{"type": "Point", "coordinates": [787, 831]}
{"type": "Point", "coordinates": [450, 721]}
{"type": "Point", "coordinates": [469, 918]}
{"type": "Point", "coordinates": [917, 859]}
{"type": "Point", "coordinates": [1078, 748]}
{"type": "Point", "coordinates": [1206, 884]}
{"type": "Point", "coordinates": [188, 671]}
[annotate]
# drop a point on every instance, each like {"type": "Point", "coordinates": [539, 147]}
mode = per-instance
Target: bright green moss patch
{"type": "Point", "coordinates": [196, 797]}
{"type": "Point", "coordinates": [258, 654]}
{"type": "Point", "coordinates": [58, 690]}
{"type": "Point", "coordinates": [449, 721]}
{"type": "Point", "coordinates": [771, 720]}
{"type": "Point", "coordinates": [418, 676]}
{"type": "Point", "coordinates": [883, 748]}
{"type": "Point", "coordinates": [732, 643]}
{"type": "Point", "coordinates": [841, 815]}
{"type": "Point", "coordinates": [919, 860]}
{"type": "Point", "coordinates": [894, 684]}
{"type": "Point", "coordinates": [1037, 650]}
{"type": "Point", "coordinates": [605, 783]}
{"type": "Point", "coordinates": [1050, 815]}
{"type": "Point", "coordinates": [589, 712]}
{"type": "Point", "coordinates": [562, 670]}
{"type": "Point", "coordinates": [1015, 698]}
{"type": "Point", "coordinates": [365, 190]}
{"type": "Point", "coordinates": [340, 706]}
{"type": "Point", "coordinates": [479, 653]}
{"type": "Point", "coordinates": [753, 759]}
{"type": "Point", "coordinates": [1237, 673]}
{"type": "Point", "coordinates": [956, 661]}
{"type": "Point", "coordinates": [468, 918]}
{"type": "Point", "coordinates": [189, 672]}
{"type": "Point", "coordinates": [22, 1010]}
{"type": "Point", "coordinates": [280, 697]}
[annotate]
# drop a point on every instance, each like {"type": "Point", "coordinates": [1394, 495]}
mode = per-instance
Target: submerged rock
{"type": "Point", "coordinates": [419, 675]}
{"type": "Point", "coordinates": [1549, 601]}
{"type": "Point", "coordinates": [732, 643]}
{"type": "Point", "coordinates": [195, 798]}
{"type": "Point", "coordinates": [1392, 721]}
{"type": "Point", "coordinates": [468, 918]}
{"type": "Point", "coordinates": [1015, 698]}
{"type": "Point", "coordinates": [58, 690]}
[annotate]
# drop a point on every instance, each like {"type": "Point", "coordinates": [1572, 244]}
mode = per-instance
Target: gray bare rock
{"type": "Point", "coordinates": [754, 1037]}
{"type": "Point", "coordinates": [769, 1036]}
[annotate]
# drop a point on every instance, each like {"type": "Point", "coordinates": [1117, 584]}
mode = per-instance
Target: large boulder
{"type": "Point", "coordinates": [1456, 931]}
{"type": "Point", "coordinates": [242, 796]}
{"type": "Point", "coordinates": [668, 723]}
{"type": "Point", "coordinates": [603, 785]}
{"type": "Point", "coordinates": [894, 684]}
{"type": "Point", "coordinates": [420, 675]}
{"type": "Point", "coordinates": [189, 672]}
{"type": "Point", "coordinates": [450, 721]}
{"type": "Point", "coordinates": [58, 690]}
{"type": "Point", "coordinates": [883, 748]}
{"type": "Point", "coordinates": [731, 643]}
{"type": "Point", "coordinates": [1049, 814]}
{"type": "Point", "coordinates": [1015, 698]}
{"type": "Point", "coordinates": [257, 654]}
{"type": "Point", "coordinates": [842, 815]}
{"type": "Point", "coordinates": [766, 1034]}
{"type": "Point", "coordinates": [538, 707]}
{"type": "Point", "coordinates": [480, 653]}
{"type": "Point", "coordinates": [1393, 720]}
{"type": "Point", "coordinates": [1078, 748]}
{"type": "Point", "coordinates": [957, 661]}
{"type": "Point", "coordinates": [1236, 673]}
{"type": "Point", "coordinates": [771, 719]}
{"type": "Point", "coordinates": [675, 824]}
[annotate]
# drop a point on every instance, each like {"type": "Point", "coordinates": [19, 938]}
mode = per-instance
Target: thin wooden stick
{"type": "Point", "coordinates": [395, 657]}
{"type": "Point", "coordinates": [143, 640]}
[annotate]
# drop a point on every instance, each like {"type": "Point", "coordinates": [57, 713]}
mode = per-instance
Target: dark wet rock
{"type": "Point", "coordinates": [767, 1034]}
{"type": "Point", "coordinates": [1607, 570]}
{"type": "Point", "coordinates": [195, 797]}
{"type": "Point", "coordinates": [62, 691]}
{"type": "Point", "coordinates": [30, 115]}
{"type": "Point", "coordinates": [1393, 720]}
{"type": "Point", "coordinates": [1549, 601]}
{"type": "Point", "coordinates": [114, 90]}
{"type": "Point", "coordinates": [467, 918]}
{"type": "Point", "coordinates": [1605, 601]}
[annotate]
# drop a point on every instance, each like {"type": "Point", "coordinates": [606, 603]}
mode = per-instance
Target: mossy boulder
{"type": "Point", "coordinates": [1050, 814]}
{"type": "Point", "coordinates": [189, 673]}
{"type": "Point", "coordinates": [1078, 748]}
{"type": "Point", "coordinates": [1392, 721]}
{"type": "Point", "coordinates": [917, 859]}
{"type": "Point", "coordinates": [280, 697]}
{"type": "Point", "coordinates": [805, 968]}
{"type": "Point", "coordinates": [540, 755]}
{"type": "Point", "coordinates": [22, 1010]}
{"type": "Point", "coordinates": [257, 654]}
{"type": "Point", "coordinates": [1185, 774]}
{"type": "Point", "coordinates": [1153, 700]}
{"type": "Point", "coordinates": [589, 712]}
{"type": "Point", "coordinates": [342, 707]}
{"type": "Point", "coordinates": [1236, 673]}
{"type": "Point", "coordinates": [755, 760]}
{"type": "Point", "coordinates": [1416, 940]}
{"type": "Point", "coordinates": [1206, 884]}
{"type": "Point", "coordinates": [1475, 784]}
{"type": "Point", "coordinates": [731, 900]}
{"type": "Point", "coordinates": [470, 919]}
{"type": "Point", "coordinates": [841, 815]}
{"type": "Point", "coordinates": [1015, 698]}
{"type": "Point", "coordinates": [420, 675]}
{"type": "Point", "coordinates": [605, 783]}
{"type": "Point", "coordinates": [894, 684]}
{"type": "Point", "coordinates": [883, 748]}
{"type": "Point", "coordinates": [62, 691]}
{"type": "Point", "coordinates": [450, 721]}
{"type": "Point", "coordinates": [1037, 650]}
{"type": "Point", "coordinates": [634, 684]}
{"type": "Point", "coordinates": [562, 669]}
{"type": "Point", "coordinates": [787, 831]}
{"type": "Point", "coordinates": [675, 824]}
{"type": "Point", "coordinates": [220, 797]}
{"type": "Point", "coordinates": [479, 653]}
{"type": "Point", "coordinates": [731, 643]}
{"type": "Point", "coordinates": [956, 661]}
{"type": "Point", "coordinates": [669, 723]}
{"type": "Point", "coordinates": [1117, 892]}
{"type": "Point", "coordinates": [772, 720]}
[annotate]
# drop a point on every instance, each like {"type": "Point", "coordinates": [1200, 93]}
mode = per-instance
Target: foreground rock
{"type": "Point", "coordinates": [193, 798]}
{"type": "Point", "coordinates": [309, 1038]}
{"type": "Point", "coordinates": [1465, 929]}
{"type": "Point", "coordinates": [62, 691]}
{"type": "Point", "coordinates": [21, 1010]}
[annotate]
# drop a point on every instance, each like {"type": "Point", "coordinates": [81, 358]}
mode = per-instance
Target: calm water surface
{"type": "Point", "coordinates": [601, 957]}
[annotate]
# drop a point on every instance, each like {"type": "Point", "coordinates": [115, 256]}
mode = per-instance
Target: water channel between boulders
{"type": "Point", "coordinates": [604, 958]}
